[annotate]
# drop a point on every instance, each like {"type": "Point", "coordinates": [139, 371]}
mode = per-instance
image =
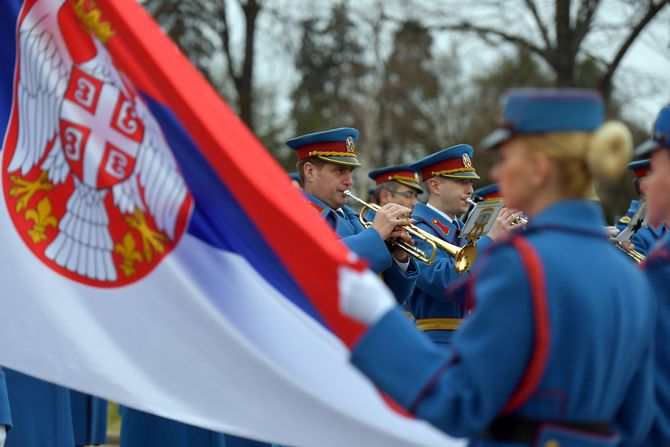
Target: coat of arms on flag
{"type": "Point", "coordinates": [89, 180]}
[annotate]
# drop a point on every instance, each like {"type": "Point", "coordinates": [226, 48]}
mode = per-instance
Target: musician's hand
{"type": "Point", "coordinates": [3, 434]}
{"type": "Point", "coordinates": [611, 231]}
{"type": "Point", "coordinates": [400, 234]}
{"type": "Point", "coordinates": [388, 217]}
{"type": "Point", "coordinates": [505, 223]}
{"type": "Point", "coordinates": [628, 245]}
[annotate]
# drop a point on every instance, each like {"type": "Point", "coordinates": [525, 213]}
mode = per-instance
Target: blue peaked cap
{"type": "Point", "coordinates": [536, 111]}
{"type": "Point", "coordinates": [402, 174]}
{"type": "Point", "coordinates": [453, 162]}
{"type": "Point", "coordinates": [334, 146]}
{"type": "Point", "coordinates": [487, 192]}
{"type": "Point", "coordinates": [638, 164]}
{"type": "Point", "coordinates": [660, 138]}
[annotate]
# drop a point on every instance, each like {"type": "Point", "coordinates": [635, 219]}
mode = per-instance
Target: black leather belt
{"type": "Point", "coordinates": [524, 431]}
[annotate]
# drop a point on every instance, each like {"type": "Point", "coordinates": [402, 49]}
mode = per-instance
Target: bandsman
{"type": "Point", "coordinates": [649, 234]}
{"type": "Point", "coordinates": [447, 177]}
{"type": "Point", "coordinates": [326, 161]}
{"type": "Point", "coordinates": [656, 187]}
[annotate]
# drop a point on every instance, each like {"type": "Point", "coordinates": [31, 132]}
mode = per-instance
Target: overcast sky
{"type": "Point", "coordinates": [643, 81]}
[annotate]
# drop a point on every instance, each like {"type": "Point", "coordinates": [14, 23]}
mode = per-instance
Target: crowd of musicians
{"type": "Point", "coordinates": [548, 330]}
{"type": "Point", "coordinates": [555, 334]}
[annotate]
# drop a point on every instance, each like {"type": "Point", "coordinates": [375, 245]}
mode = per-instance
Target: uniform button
{"type": "Point", "coordinates": [552, 443]}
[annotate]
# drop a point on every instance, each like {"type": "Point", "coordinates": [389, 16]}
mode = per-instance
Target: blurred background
{"type": "Point", "coordinates": [415, 76]}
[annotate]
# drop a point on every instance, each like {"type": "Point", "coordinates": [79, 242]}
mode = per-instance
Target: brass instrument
{"type": "Point", "coordinates": [627, 233]}
{"type": "Point", "coordinates": [464, 256]}
{"type": "Point", "coordinates": [636, 255]}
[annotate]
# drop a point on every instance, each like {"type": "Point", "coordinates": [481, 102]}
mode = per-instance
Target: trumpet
{"type": "Point", "coordinates": [464, 256]}
{"type": "Point", "coordinates": [634, 254]}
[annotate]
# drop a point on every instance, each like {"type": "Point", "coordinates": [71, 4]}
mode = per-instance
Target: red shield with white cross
{"type": "Point", "coordinates": [100, 131]}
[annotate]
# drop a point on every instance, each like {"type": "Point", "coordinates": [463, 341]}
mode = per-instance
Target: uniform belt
{"type": "Point", "coordinates": [524, 431]}
{"type": "Point", "coordinates": [438, 324]}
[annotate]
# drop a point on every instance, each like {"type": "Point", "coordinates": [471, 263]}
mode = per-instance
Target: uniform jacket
{"type": "Point", "coordinates": [139, 429]}
{"type": "Point", "coordinates": [5, 413]}
{"type": "Point", "coordinates": [368, 244]}
{"type": "Point", "coordinates": [559, 332]}
{"type": "Point", "coordinates": [429, 300]}
{"type": "Point", "coordinates": [647, 236]}
{"type": "Point", "coordinates": [89, 419]}
{"type": "Point", "coordinates": [41, 413]}
{"type": "Point", "coordinates": [657, 269]}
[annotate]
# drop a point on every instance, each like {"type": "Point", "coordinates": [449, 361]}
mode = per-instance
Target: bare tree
{"type": "Point", "coordinates": [557, 32]}
{"type": "Point", "coordinates": [202, 30]}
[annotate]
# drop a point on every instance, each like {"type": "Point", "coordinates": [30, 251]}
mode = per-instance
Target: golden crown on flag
{"type": "Point", "coordinates": [91, 20]}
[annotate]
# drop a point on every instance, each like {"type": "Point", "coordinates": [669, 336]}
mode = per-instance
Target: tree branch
{"type": "Point", "coordinates": [587, 10]}
{"type": "Point", "coordinates": [225, 38]}
{"type": "Point", "coordinates": [486, 33]}
{"type": "Point", "coordinates": [606, 80]}
{"type": "Point", "coordinates": [538, 20]}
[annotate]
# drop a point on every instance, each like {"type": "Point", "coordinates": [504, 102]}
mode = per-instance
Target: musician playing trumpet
{"type": "Point", "coordinates": [447, 176]}
{"type": "Point", "coordinates": [326, 161]}
{"type": "Point", "coordinates": [649, 234]}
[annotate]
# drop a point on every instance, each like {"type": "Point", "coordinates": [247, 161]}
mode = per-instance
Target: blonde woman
{"type": "Point", "coordinates": [556, 350]}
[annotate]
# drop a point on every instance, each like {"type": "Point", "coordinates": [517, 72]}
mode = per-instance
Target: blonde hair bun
{"type": "Point", "coordinates": [610, 150]}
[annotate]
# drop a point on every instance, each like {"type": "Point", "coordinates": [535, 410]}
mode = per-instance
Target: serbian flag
{"type": "Point", "coordinates": [154, 254]}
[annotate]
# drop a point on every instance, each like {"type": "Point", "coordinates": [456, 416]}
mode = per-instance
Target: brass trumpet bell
{"type": "Point", "coordinates": [464, 256]}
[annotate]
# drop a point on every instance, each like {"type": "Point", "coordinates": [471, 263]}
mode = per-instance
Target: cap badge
{"type": "Point", "coordinates": [351, 146]}
{"type": "Point", "coordinates": [466, 161]}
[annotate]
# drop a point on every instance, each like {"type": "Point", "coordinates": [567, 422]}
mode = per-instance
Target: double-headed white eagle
{"type": "Point", "coordinates": [45, 67]}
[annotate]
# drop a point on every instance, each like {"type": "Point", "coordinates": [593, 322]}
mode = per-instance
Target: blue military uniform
{"type": "Point", "coordinates": [648, 235]}
{"type": "Point", "coordinates": [436, 315]}
{"type": "Point", "coordinates": [140, 429]}
{"type": "Point", "coordinates": [403, 175]}
{"type": "Point", "coordinates": [365, 242]}
{"type": "Point", "coordinates": [5, 413]}
{"type": "Point", "coordinates": [657, 269]}
{"type": "Point", "coordinates": [89, 419]}
{"type": "Point", "coordinates": [41, 413]}
{"type": "Point", "coordinates": [557, 349]}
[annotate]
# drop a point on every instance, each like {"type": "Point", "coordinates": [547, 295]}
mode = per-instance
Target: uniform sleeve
{"type": "Point", "coordinates": [5, 415]}
{"type": "Point", "coordinates": [402, 283]}
{"type": "Point", "coordinates": [635, 416]}
{"type": "Point", "coordinates": [643, 241]}
{"type": "Point", "coordinates": [462, 390]}
{"type": "Point", "coordinates": [369, 245]}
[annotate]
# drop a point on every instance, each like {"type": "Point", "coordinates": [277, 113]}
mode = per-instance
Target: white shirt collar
{"type": "Point", "coordinates": [446, 216]}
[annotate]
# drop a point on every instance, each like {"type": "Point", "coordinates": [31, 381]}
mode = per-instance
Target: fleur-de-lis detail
{"type": "Point", "coordinates": [152, 241]}
{"type": "Point", "coordinates": [24, 189]}
{"type": "Point", "coordinates": [130, 255]}
{"type": "Point", "coordinates": [42, 218]}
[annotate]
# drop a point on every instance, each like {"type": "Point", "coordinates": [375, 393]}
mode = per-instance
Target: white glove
{"type": "Point", "coordinates": [3, 435]}
{"type": "Point", "coordinates": [363, 296]}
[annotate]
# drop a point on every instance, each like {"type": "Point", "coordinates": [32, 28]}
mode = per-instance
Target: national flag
{"type": "Point", "coordinates": [153, 252]}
